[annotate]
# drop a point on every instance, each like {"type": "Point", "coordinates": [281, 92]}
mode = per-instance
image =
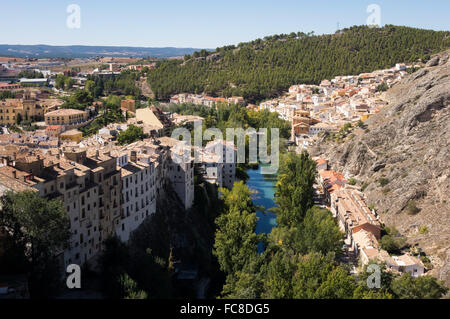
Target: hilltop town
{"type": "Point", "coordinates": [90, 134]}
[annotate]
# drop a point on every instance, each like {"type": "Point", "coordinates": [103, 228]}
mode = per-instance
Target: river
{"type": "Point", "coordinates": [264, 185]}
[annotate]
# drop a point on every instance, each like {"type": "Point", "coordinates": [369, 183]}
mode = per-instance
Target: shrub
{"type": "Point", "coordinates": [426, 262]}
{"type": "Point", "coordinates": [383, 181]}
{"type": "Point", "coordinates": [364, 186]}
{"type": "Point", "coordinates": [352, 181]}
{"type": "Point", "coordinates": [423, 230]}
{"type": "Point", "coordinates": [412, 208]}
{"type": "Point", "coordinates": [382, 87]}
{"type": "Point", "coordinates": [392, 244]}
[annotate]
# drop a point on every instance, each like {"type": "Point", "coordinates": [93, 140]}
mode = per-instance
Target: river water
{"type": "Point", "coordinates": [264, 185]}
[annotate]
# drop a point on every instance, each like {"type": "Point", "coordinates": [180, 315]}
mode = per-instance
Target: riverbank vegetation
{"type": "Point", "coordinates": [302, 256]}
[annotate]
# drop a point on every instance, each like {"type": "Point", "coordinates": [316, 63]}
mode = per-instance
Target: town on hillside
{"type": "Point", "coordinates": [96, 178]}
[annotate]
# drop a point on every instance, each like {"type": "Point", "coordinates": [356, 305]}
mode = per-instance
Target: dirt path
{"type": "Point", "coordinates": [145, 88]}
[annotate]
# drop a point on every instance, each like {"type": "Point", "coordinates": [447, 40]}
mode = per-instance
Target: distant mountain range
{"type": "Point", "coordinates": [83, 51]}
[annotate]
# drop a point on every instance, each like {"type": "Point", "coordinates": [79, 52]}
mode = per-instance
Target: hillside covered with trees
{"type": "Point", "coordinates": [265, 67]}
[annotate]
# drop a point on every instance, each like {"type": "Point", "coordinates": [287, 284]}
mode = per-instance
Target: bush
{"type": "Point", "coordinates": [412, 208]}
{"type": "Point", "coordinates": [383, 181]}
{"type": "Point", "coordinates": [131, 134]}
{"type": "Point", "coordinates": [364, 186]}
{"type": "Point", "coordinates": [423, 230]}
{"type": "Point", "coordinates": [382, 87]}
{"type": "Point", "coordinates": [15, 129]}
{"type": "Point", "coordinates": [426, 262]}
{"type": "Point", "coordinates": [352, 181]}
{"type": "Point", "coordinates": [392, 245]}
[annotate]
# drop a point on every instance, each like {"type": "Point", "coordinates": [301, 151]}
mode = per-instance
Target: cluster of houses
{"type": "Point", "coordinates": [361, 225]}
{"type": "Point", "coordinates": [106, 189]}
{"type": "Point", "coordinates": [10, 68]}
{"type": "Point", "coordinates": [201, 99]}
{"type": "Point", "coordinates": [313, 109]}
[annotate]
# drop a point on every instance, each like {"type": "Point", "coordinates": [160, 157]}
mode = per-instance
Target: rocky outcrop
{"type": "Point", "coordinates": [401, 156]}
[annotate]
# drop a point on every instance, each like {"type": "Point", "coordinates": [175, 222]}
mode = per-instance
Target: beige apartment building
{"type": "Point", "coordinates": [66, 117]}
{"type": "Point", "coordinates": [138, 196]}
{"type": "Point", "coordinates": [26, 109]}
{"type": "Point", "coordinates": [87, 185]}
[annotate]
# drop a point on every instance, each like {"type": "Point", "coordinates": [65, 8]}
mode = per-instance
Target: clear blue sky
{"type": "Point", "coordinates": [200, 23]}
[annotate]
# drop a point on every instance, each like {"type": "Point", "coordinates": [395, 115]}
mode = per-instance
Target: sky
{"type": "Point", "coordinates": [200, 23]}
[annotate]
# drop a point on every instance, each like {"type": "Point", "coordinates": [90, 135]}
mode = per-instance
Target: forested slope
{"type": "Point", "coordinates": [265, 67]}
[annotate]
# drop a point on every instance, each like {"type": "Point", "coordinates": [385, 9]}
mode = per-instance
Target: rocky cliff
{"type": "Point", "coordinates": [400, 157]}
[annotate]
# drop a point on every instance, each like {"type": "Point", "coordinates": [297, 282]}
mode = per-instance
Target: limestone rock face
{"type": "Point", "coordinates": [407, 145]}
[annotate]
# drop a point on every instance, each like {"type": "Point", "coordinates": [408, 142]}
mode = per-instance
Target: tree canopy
{"type": "Point", "coordinates": [131, 134]}
{"type": "Point", "coordinates": [37, 229]}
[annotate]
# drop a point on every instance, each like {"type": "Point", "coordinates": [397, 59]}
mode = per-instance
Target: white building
{"type": "Point", "coordinates": [212, 167]}
{"type": "Point", "coordinates": [226, 150]}
{"type": "Point", "coordinates": [138, 193]}
{"type": "Point", "coordinates": [180, 170]}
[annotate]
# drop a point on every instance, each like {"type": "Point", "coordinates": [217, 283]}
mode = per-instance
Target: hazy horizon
{"type": "Point", "coordinates": [200, 24]}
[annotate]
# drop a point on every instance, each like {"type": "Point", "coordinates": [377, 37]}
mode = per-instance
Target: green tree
{"type": "Point", "coordinates": [236, 241]}
{"type": "Point", "coordinates": [130, 288]}
{"type": "Point", "coordinates": [59, 81]}
{"type": "Point", "coordinates": [131, 134]}
{"type": "Point", "coordinates": [386, 278]}
{"type": "Point", "coordinates": [68, 83]}
{"type": "Point", "coordinates": [242, 285]}
{"type": "Point", "coordinates": [81, 97]}
{"type": "Point", "coordinates": [113, 264]}
{"type": "Point", "coordinates": [319, 233]}
{"type": "Point", "coordinates": [392, 244]}
{"type": "Point", "coordinates": [18, 119]}
{"type": "Point", "coordinates": [39, 229]}
{"type": "Point", "coordinates": [294, 189]}
{"type": "Point", "coordinates": [383, 87]}
{"type": "Point", "coordinates": [423, 287]}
